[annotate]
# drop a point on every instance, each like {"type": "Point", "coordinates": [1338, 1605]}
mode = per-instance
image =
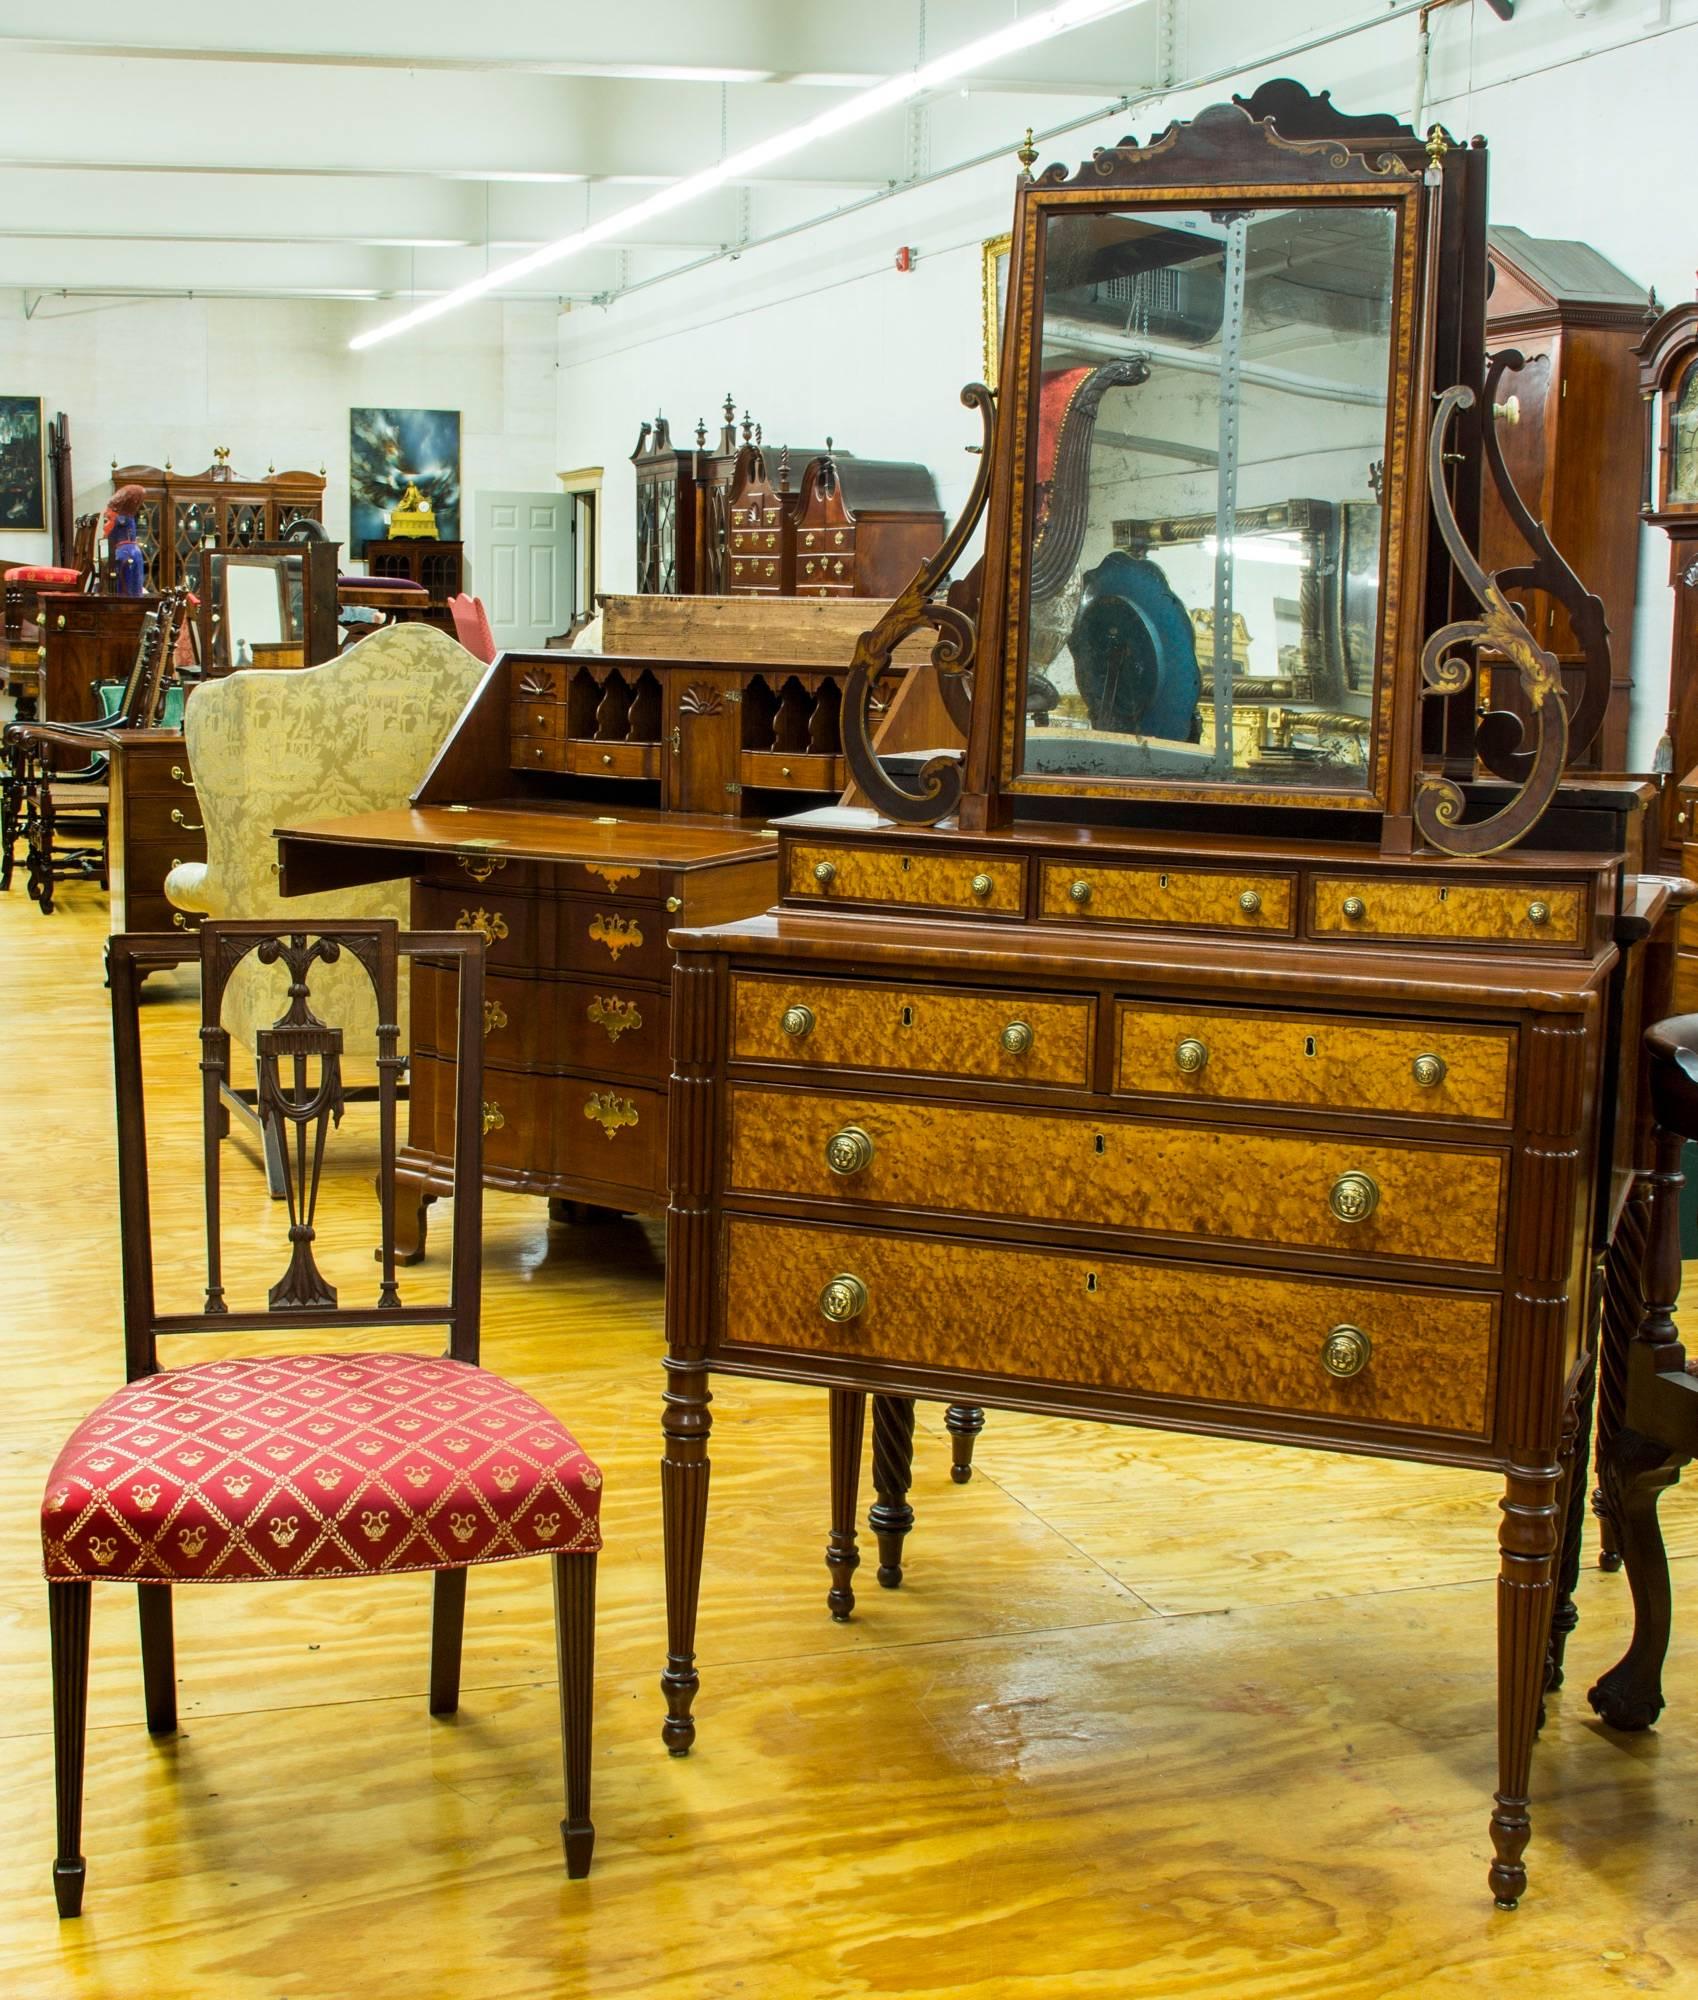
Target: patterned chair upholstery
{"type": "Point", "coordinates": [354, 735]}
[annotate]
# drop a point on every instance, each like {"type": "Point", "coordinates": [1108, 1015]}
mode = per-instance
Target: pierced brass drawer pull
{"type": "Point", "coordinates": [1079, 891]}
{"type": "Point", "coordinates": [614, 1015]}
{"type": "Point", "coordinates": [481, 868]}
{"type": "Point", "coordinates": [848, 1151]}
{"type": "Point", "coordinates": [490, 927]}
{"type": "Point", "coordinates": [1016, 1038]}
{"type": "Point", "coordinates": [610, 1111]}
{"type": "Point", "coordinates": [1355, 909]}
{"type": "Point", "coordinates": [617, 933]}
{"type": "Point", "coordinates": [494, 1016]}
{"type": "Point", "coordinates": [1538, 913]}
{"type": "Point", "coordinates": [1353, 1197]}
{"type": "Point", "coordinates": [1428, 1071]}
{"type": "Point", "coordinates": [844, 1298]}
{"type": "Point", "coordinates": [492, 1117]}
{"type": "Point", "coordinates": [188, 825]}
{"type": "Point", "coordinates": [981, 886]}
{"type": "Point", "coordinates": [1346, 1351]}
{"type": "Point", "coordinates": [1190, 1056]}
{"type": "Point", "coordinates": [1250, 902]}
{"type": "Point", "coordinates": [798, 1021]}
{"type": "Point", "coordinates": [825, 873]}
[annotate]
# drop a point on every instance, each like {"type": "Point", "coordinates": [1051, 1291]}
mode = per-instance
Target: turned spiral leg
{"type": "Point", "coordinates": [890, 1517]}
{"type": "Point", "coordinates": [842, 1558]}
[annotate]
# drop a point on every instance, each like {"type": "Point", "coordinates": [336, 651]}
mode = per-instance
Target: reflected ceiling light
{"type": "Point", "coordinates": [967, 60]}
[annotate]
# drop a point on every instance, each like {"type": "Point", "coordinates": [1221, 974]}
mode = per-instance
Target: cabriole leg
{"type": "Point", "coordinates": [574, 1645]}
{"type": "Point", "coordinates": [1636, 1472]}
{"type": "Point", "coordinates": [1527, 1547]}
{"type": "Point", "coordinates": [686, 1424]}
{"type": "Point", "coordinates": [159, 1662]}
{"type": "Point", "coordinates": [842, 1558]}
{"type": "Point", "coordinates": [68, 1618]}
{"type": "Point", "coordinates": [890, 1517]}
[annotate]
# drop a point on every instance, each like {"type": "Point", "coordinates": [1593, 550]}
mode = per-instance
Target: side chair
{"type": "Point", "coordinates": [327, 1463]}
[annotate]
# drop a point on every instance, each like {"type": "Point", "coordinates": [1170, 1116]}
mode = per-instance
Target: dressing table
{"type": "Point", "coordinates": [1229, 1040]}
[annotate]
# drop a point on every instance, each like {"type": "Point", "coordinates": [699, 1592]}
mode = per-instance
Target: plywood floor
{"type": "Point", "coordinates": [1151, 1717]}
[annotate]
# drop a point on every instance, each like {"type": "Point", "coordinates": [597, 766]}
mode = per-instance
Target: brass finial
{"type": "Point", "coordinates": [748, 428]}
{"type": "Point", "coordinates": [1028, 153]}
{"type": "Point", "coordinates": [730, 408]}
{"type": "Point", "coordinates": [1439, 142]}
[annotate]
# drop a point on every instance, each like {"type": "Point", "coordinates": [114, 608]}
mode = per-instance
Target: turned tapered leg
{"type": "Point", "coordinates": [1575, 1461]}
{"type": "Point", "coordinates": [159, 1657]}
{"type": "Point", "coordinates": [574, 1647]}
{"type": "Point", "coordinates": [67, 1618]}
{"type": "Point", "coordinates": [963, 1421]}
{"type": "Point", "coordinates": [842, 1558]}
{"type": "Point", "coordinates": [1527, 1548]}
{"type": "Point", "coordinates": [1638, 1469]}
{"type": "Point", "coordinates": [447, 1623]}
{"type": "Point", "coordinates": [890, 1517]}
{"type": "Point", "coordinates": [686, 1424]}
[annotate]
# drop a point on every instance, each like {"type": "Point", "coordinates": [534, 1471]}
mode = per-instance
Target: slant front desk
{"type": "Point", "coordinates": [1239, 1037]}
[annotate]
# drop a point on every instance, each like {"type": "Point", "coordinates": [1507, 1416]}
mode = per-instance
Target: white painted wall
{"type": "Point", "coordinates": [143, 381]}
{"type": "Point", "coordinates": [1588, 118]}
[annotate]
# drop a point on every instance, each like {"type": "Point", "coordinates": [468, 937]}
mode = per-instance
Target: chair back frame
{"type": "Point", "coordinates": [300, 1110]}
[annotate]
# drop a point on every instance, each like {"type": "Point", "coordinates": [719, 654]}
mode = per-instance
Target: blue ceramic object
{"type": "Point", "coordinates": [128, 563]}
{"type": "Point", "coordinates": [1135, 652]}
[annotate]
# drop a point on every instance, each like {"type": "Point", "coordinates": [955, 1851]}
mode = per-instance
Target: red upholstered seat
{"type": "Point", "coordinates": [43, 573]}
{"type": "Point", "coordinates": [317, 1465]}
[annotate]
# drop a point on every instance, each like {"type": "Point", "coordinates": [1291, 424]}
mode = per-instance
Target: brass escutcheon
{"type": "Point", "coordinates": [1538, 913]}
{"type": "Point", "coordinates": [1016, 1038]}
{"type": "Point", "coordinates": [614, 1015]}
{"type": "Point", "coordinates": [1355, 909]}
{"type": "Point", "coordinates": [1346, 1351]}
{"type": "Point", "coordinates": [981, 885]}
{"type": "Point", "coordinates": [494, 1016]}
{"type": "Point", "coordinates": [1354, 1196]}
{"type": "Point", "coordinates": [1428, 1071]}
{"type": "Point", "coordinates": [844, 1298]}
{"type": "Point", "coordinates": [1080, 891]}
{"type": "Point", "coordinates": [848, 1151]}
{"type": "Point", "coordinates": [481, 869]}
{"type": "Point", "coordinates": [825, 873]}
{"type": "Point", "coordinates": [610, 1111]}
{"type": "Point", "coordinates": [492, 1118]}
{"type": "Point", "coordinates": [489, 927]}
{"type": "Point", "coordinates": [1250, 902]}
{"type": "Point", "coordinates": [798, 1021]}
{"type": "Point", "coordinates": [1190, 1056]}
{"type": "Point", "coordinates": [616, 932]}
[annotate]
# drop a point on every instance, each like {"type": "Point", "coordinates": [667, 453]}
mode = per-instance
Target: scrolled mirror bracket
{"type": "Point", "coordinates": [1439, 804]}
{"type": "Point", "coordinates": [952, 656]}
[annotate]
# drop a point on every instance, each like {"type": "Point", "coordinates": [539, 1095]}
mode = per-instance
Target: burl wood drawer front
{"type": "Point", "coordinates": [926, 1030]}
{"type": "Point", "coordinates": [970, 883]}
{"type": "Point", "coordinates": [1185, 898]}
{"type": "Point", "coordinates": [597, 937]}
{"type": "Point", "coordinates": [1426, 1071]}
{"type": "Point", "coordinates": [1228, 1183]}
{"type": "Point", "coordinates": [1118, 1323]}
{"type": "Point", "coordinates": [1374, 907]}
{"type": "Point", "coordinates": [508, 923]}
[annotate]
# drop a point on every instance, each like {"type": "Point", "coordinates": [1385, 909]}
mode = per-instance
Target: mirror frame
{"type": "Point", "coordinates": [1129, 189]}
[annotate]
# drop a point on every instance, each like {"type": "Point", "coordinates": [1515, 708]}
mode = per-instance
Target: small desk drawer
{"type": "Point", "coordinates": [1138, 1327]}
{"type": "Point", "coordinates": [613, 760]}
{"type": "Point", "coordinates": [539, 680]}
{"type": "Point", "coordinates": [1181, 898]}
{"type": "Point", "coordinates": [973, 884]}
{"type": "Point", "coordinates": [539, 718]}
{"type": "Point", "coordinates": [537, 753]}
{"type": "Point", "coordinates": [925, 1030]}
{"type": "Point", "coordinates": [1320, 1061]}
{"type": "Point", "coordinates": [1347, 1196]}
{"type": "Point", "coordinates": [791, 770]}
{"type": "Point", "coordinates": [1494, 913]}
{"type": "Point", "coordinates": [508, 923]}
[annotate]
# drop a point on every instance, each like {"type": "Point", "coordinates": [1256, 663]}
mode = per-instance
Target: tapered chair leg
{"type": "Point", "coordinates": [963, 1421]}
{"type": "Point", "coordinates": [447, 1623]}
{"type": "Point", "coordinates": [67, 1618]}
{"type": "Point", "coordinates": [159, 1657]}
{"type": "Point", "coordinates": [574, 1645]}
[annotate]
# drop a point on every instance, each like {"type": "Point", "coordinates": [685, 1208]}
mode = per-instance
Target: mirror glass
{"type": "Point", "coordinates": [253, 607]}
{"type": "Point", "coordinates": [1204, 585]}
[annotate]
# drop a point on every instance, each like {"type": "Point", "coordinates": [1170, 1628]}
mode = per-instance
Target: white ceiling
{"type": "Point", "coordinates": [324, 148]}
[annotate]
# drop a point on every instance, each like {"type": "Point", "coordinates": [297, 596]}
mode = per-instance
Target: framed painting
{"type": "Point", "coordinates": [23, 481]}
{"type": "Point", "coordinates": [389, 450]}
{"type": "Point", "coordinates": [994, 290]}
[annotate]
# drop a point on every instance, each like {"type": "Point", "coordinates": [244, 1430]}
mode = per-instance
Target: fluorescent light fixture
{"type": "Point", "coordinates": [968, 60]}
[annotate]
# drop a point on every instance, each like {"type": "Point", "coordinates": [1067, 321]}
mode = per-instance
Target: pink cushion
{"type": "Point", "coordinates": [43, 573]}
{"type": "Point", "coordinates": [471, 627]}
{"type": "Point", "coordinates": [315, 1465]}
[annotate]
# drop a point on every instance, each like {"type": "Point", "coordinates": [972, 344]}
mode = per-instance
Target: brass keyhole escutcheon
{"type": "Point", "coordinates": [824, 874]}
{"type": "Point", "coordinates": [1538, 913]}
{"type": "Point", "coordinates": [1353, 1197]}
{"type": "Point", "coordinates": [1428, 1071]}
{"type": "Point", "coordinates": [798, 1021]}
{"type": "Point", "coordinates": [1355, 909]}
{"type": "Point", "coordinates": [1250, 902]}
{"type": "Point", "coordinates": [848, 1151]}
{"type": "Point", "coordinates": [981, 886]}
{"type": "Point", "coordinates": [1016, 1038]}
{"type": "Point", "coordinates": [844, 1298]}
{"type": "Point", "coordinates": [1079, 891]}
{"type": "Point", "coordinates": [1190, 1055]}
{"type": "Point", "coordinates": [1346, 1351]}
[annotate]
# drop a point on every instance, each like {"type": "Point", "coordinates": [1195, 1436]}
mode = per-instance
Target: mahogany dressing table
{"type": "Point", "coordinates": [1228, 1041]}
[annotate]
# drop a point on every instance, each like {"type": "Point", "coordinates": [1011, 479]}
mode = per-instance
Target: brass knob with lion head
{"type": "Point", "coordinates": [1016, 1038]}
{"type": "Point", "coordinates": [1346, 1351]}
{"type": "Point", "coordinates": [1190, 1056]}
{"type": "Point", "coordinates": [843, 1299]}
{"type": "Point", "coordinates": [797, 1021]}
{"type": "Point", "coordinates": [1428, 1070]}
{"type": "Point", "coordinates": [849, 1151]}
{"type": "Point", "coordinates": [1354, 1196]}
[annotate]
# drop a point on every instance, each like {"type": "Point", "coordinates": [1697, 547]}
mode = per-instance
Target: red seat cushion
{"type": "Point", "coordinates": [43, 573]}
{"type": "Point", "coordinates": [316, 1465]}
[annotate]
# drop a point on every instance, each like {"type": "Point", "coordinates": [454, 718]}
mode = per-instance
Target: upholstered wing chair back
{"type": "Point", "coordinates": [267, 748]}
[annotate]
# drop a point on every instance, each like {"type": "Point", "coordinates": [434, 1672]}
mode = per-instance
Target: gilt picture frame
{"type": "Point", "coordinates": [994, 256]}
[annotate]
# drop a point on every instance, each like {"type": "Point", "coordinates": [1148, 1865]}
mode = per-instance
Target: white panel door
{"type": "Point", "coordinates": [524, 565]}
